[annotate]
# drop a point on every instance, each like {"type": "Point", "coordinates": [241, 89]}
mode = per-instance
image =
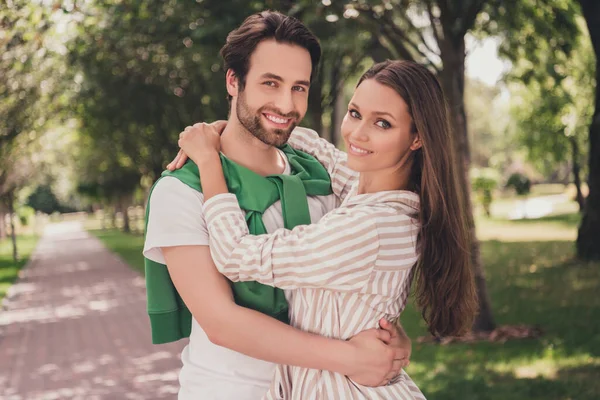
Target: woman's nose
{"type": "Point", "coordinates": [359, 133]}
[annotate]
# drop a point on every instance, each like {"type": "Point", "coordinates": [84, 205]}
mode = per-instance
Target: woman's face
{"type": "Point", "coordinates": [376, 129]}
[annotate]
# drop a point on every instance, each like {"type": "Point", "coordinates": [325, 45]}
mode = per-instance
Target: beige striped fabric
{"type": "Point", "coordinates": [334, 160]}
{"type": "Point", "coordinates": [340, 275]}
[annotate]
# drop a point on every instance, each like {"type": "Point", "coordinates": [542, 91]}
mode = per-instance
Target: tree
{"type": "Point", "coordinates": [27, 79]}
{"type": "Point", "coordinates": [589, 230]}
{"type": "Point", "coordinates": [552, 110]}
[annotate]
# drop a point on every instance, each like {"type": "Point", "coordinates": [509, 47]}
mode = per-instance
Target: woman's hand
{"type": "Point", "coordinates": [198, 142]}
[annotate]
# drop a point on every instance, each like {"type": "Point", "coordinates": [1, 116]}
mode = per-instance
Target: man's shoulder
{"type": "Point", "coordinates": [168, 188]}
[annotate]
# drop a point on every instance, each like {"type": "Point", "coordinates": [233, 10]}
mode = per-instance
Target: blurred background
{"type": "Point", "coordinates": [93, 95]}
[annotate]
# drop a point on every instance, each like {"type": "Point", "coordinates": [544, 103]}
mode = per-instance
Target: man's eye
{"type": "Point", "coordinates": [270, 83]}
{"type": "Point", "coordinates": [299, 88]}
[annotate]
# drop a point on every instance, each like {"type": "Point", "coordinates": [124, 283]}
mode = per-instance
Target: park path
{"type": "Point", "coordinates": [75, 327]}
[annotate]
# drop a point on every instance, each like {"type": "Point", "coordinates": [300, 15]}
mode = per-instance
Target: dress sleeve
{"type": "Point", "coordinates": [333, 159]}
{"type": "Point", "coordinates": [338, 253]}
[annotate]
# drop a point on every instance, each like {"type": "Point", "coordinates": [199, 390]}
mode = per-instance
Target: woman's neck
{"type": "Point", "coordinates": [382, 181]}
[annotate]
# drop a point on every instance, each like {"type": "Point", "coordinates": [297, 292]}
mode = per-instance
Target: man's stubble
{"type": "Point", "coordinates": [251, 121]}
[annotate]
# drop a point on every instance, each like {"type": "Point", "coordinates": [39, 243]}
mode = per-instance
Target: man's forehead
{"type": "Point", "coordinates": [286, 61]}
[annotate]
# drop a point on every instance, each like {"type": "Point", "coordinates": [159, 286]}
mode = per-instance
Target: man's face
{"type": "Point", "coordinates": [275, 97]}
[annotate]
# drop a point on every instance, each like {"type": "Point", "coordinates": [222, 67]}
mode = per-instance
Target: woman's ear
{"type": "Point", "coordinates": [416, 144]}
{"type": "Point", "coordinates": [231, 81]}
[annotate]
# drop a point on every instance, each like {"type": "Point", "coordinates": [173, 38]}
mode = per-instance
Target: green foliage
{"type": "Point", "coordinates": [552, 112]}
{"type": "Point", "coordinates": [484, 181]}
{"type": "Point", "coordinates": [44, 200]}
{"type": "Point", "coordinates": [519, 182]}
{"type": "Point", "coordinates": [25, 214]}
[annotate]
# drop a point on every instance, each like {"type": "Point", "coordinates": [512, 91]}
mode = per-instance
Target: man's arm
{"type": "Point", "coordinates": [208, 296]}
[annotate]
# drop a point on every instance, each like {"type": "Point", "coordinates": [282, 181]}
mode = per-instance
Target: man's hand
{"type": "Point", "coordinates": [399, 340]}
{"type": "Point", "coordinates": [197, 140]}
{"type": "Point", "coordinates": [380, 355]}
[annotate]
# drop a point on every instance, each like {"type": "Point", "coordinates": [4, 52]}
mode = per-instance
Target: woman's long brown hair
{"type": "Point", "coordinates": [445, 288]}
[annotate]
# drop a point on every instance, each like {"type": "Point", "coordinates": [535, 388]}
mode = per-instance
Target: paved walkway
{"type": "Point", "coordinates": [75, 327]}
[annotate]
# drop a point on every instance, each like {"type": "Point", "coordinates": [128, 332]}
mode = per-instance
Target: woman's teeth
{"type": "Point", "coordinates": [359, 150]}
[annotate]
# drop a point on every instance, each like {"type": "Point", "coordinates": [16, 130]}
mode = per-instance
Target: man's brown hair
{"type": "Point", "coordinates": [242, 42]}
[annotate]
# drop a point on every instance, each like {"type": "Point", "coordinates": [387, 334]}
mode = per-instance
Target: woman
{"type": "Point", "coordinates": [402, 217]}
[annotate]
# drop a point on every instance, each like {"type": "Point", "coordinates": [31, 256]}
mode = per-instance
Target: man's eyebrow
{"type": "Point", "coordinates": [270, 75]}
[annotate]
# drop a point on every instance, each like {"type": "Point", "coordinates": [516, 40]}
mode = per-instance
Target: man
{"type": "Point", "coordinates": [270, 60]}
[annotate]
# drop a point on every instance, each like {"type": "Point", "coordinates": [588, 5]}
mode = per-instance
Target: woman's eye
{"type": "Point", "coordinates": [382, 123]}
{"type": "Point", "coordinates": [354, 113]}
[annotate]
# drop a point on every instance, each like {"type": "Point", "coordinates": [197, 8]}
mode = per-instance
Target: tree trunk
{"type": "Point", "coordinates": [589, 231]}
{"type": "Point", "coordinates": [2, 222]}
{"type": "Point", "coordinates": [13, 233]}
{"type": "Point", "coordinates": [340, 107]}
{"type": "Point", "coordinates": [114, 210]}
{"type": "Point", "coordinates": [315, 105]}
{"type": "Point", "coordinates": [125, 213]}
{"type": "Point", "coordinates": [452, 79]}
{"type": "Point", "coordinates": [337, 106]}
{"type": "Point", "coordinates": [576, 172]}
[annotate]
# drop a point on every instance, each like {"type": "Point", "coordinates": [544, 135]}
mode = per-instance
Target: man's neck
{"type": "Point", "coordinates": [241, 147]}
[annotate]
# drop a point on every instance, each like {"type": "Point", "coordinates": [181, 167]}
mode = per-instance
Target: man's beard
{"type": "Point", "coordinates": [251, 120]}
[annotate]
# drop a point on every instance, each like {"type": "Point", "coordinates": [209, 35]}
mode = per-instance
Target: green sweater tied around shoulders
{"type": "Point", "coordinates": [170, 319]}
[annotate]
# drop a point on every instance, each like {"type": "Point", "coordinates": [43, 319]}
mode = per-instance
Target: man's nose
{"type": "Point", "coordinates": [285, 102]}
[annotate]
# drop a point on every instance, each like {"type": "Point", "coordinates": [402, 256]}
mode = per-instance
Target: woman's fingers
{"type": "Point", "coordinates": [219, 126]}
{"type": "Point", "coordinates": [182, 159]}
{"type": "Point", "coordinates": [172, 164]}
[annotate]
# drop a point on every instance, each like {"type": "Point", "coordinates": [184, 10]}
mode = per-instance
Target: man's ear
{"type": "Point", "coordinates": [416, 144]}
{"type": "Point", "coordinates": [232, 83]}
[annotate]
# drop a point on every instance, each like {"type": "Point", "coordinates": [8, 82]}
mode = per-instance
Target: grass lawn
{"type": "Point", "coordinates": [532, 279]}
{"type": "Point", "coordinates": [127, 246]}
{"type": "Point", "coordinates": [9, 270]}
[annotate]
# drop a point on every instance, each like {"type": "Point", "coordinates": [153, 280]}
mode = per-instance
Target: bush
{"type": "Point", "coordinates": [484, 181]}
{"type": "Point", "coordinates": [520, 183]}
{"type": "Point", "coordinates": [25, 213]}
{"type": "Point", "coordinates": [44, 200]}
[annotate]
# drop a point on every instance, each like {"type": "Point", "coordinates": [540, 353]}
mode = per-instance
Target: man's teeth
{"type": "Point", "coordinates": [275, 119]}
{"type": "Point", "coordinates": [359, 150]}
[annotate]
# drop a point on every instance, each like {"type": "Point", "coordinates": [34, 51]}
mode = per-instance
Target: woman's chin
{"type": "Point", "coordinates": [356, 165]}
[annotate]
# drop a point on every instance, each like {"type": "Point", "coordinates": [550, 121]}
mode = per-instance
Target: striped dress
{"type": "Point", "coordinates": [340, 275]}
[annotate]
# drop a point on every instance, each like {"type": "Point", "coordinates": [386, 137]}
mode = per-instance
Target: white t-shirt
{"type": "Point", "coordinates": [211, 372]}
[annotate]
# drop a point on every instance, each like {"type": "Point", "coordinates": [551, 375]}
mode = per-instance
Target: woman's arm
{"type": "Point", "coordinates": [338, 253]}
{"type": "Point", "coordinates": [365, 358]}
{"type": "Point", "coordinates": [333, 159]}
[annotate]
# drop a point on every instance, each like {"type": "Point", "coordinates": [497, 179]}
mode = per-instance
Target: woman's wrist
{"type": "Point", "coordinates": [207, 160]}
{"type": "Point", "coordinates": [211, 174]}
